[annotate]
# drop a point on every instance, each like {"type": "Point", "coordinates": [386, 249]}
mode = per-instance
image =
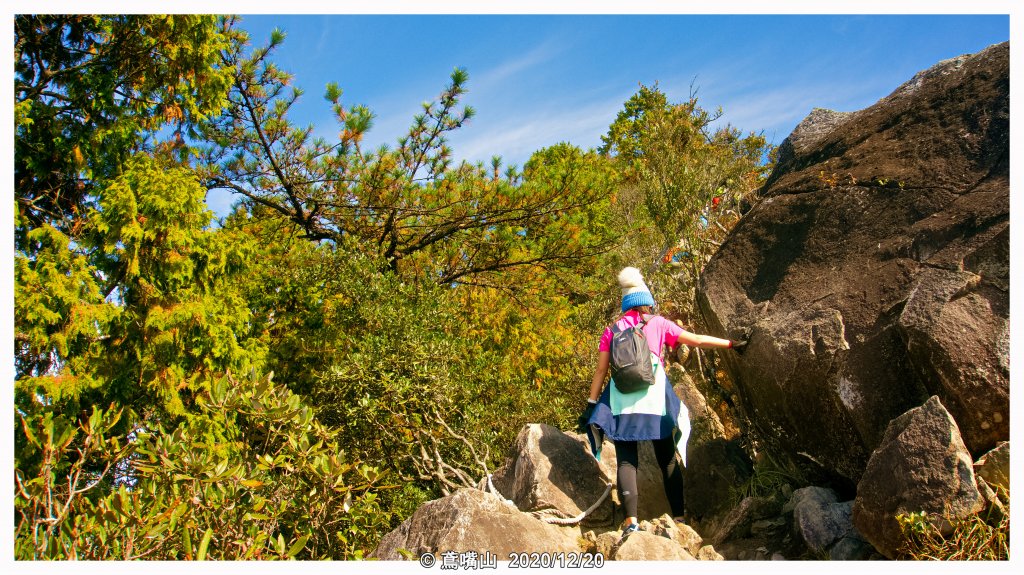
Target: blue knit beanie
{"type": "Point", "coordinates": [634, 290]}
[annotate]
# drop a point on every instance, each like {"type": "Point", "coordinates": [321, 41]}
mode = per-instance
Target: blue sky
{"type": "Point", "coordinates": [536, 80]}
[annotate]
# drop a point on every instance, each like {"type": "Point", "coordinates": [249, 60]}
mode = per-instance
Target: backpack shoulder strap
{"type": "Point", "coordinates": [642, 323]}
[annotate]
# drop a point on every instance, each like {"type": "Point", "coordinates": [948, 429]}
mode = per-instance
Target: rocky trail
{"type": "Point", "coordinates": [871, 279]}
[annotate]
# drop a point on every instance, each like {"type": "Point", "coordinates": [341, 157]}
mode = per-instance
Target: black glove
{"type": "Point", "coordinates": [739, 346]}
{"type": "Point", "coordinates": [584, 419]}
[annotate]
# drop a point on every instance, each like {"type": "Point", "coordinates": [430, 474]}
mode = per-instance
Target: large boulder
{"type": "Point", "coordinates": [716, 465]}
{"type": "Point", "coordinates": [716, 469]}
{"type": "Point", "coordinates": [920, 465]}
{"type": "Point", "coordinates": [549, 470]}
{"type": "Point", "coordinates": [651, 499]}
{"type": "Point", "coordinates": [473, 520]}
{"type": "Point", "coordinates": [960, 347]}
{"type": "Point", "coordinates": [874, 272]}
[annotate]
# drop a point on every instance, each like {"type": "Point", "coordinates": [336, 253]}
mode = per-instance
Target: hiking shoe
{"type": "Point", "coordinates": [629, 530]}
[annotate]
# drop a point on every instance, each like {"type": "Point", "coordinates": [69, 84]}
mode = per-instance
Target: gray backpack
{"type": "Point", "coordinates": [631, 358]}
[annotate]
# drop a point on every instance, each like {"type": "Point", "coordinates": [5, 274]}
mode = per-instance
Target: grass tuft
{"type": "Point", "coordinates": [982, 537]}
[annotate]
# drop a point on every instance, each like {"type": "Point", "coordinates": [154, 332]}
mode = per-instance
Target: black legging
{"type": "Point", "coordinates": [628, 456]}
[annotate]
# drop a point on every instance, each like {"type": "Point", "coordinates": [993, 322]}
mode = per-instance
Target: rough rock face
{"type": "Point", "coordinates": [715, 468]}
{"type": "Point", "coordinates": [920, 465]}
{"type": "Point", "coordinates": [480, 521]}
{"type": "Point", "coordinates": [472, 520]}
{"type": "Point", "coordinates": [819, 518]}
{"type": "Point", "coordinates": [941, 323]}
{"type": "Point", "coordinates": [549, 470]}
{"type": "Point", "coordinates": [815, 126]}
{"type": "Point", "coordinates": [738, 523]}
{"type": "Point", "coordinates": [994, 466]}
{"type": "Point", "coordinates": [825, 524]}
{"type": "Point", "coordinates": [642, 546]}
{"type": "Point", "coordinates": [874, 272]}
{"type": "Point", "coordinates": [651, 500]}
{"type": "Point", "coordinates": [681, 533]}
{"type": "Point", "coordinates": [715, 464]}
{"type": "Point", "coordinates": [659, 540]}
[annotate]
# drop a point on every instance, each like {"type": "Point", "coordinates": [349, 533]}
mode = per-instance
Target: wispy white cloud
{"type": "Point", "coordinates": [325, 35]}
{"type": "Point", "coordinates": [515, 126]}
{"type": "Point", "coordinates": [516, 135]}
{"type": "Point", "coordinates": [500, 75]}
{"type": "Point", "coordinates": [509, 121]}
{"type": "Point", "coordinates": [777, 110]}
{"type": "Point", "coordinates": [755, 101]}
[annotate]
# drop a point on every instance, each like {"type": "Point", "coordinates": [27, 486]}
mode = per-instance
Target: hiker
{"type": "Point", "coordinates": [652, 412]}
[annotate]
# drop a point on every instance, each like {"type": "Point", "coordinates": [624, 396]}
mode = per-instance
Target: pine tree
{"type": "Point", "coordinates": [424, 215]}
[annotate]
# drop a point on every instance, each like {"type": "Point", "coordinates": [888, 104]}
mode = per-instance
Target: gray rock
{"type": "Point", "coordinates": [820, 494]}
{"type": "Point", "coordinates": [714, 469]}
{"type": "Point", "coordinates": [472, 520]}
{"type": "Point", "coordinates": [651, 499]}
{"type": "Point", "coordinates": [820, 519]}
{"type": "Point", "coordinates": [737, 523]}
{"type": "Point", "coordinates": [682, 534]}
{"type": "Point", "coordinates": [549, 470]}
{"type": "Point", "coordinates": [994, 466]}
{"type": "Point", "coordinates": [920, 465]}
{"type": "Point", "coordinates": [644, 546]}
{"type": "Point", "coordinates": [953, 327]}
{"type": "Point", "coordinates": [811, 130]}
{"type": "Point", "coordinates": [851, 548]}
{"type": "Point", "coordinates": [819, 273]}
{"type": "Point", "coordinates": [708, 553]}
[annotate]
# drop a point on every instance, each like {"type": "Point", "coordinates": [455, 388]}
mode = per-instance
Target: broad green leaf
{"type": "Point", "coordinates": [204, 544]}
{"type": "Point", "coordinates": [297, 546]}
{"type": "Point", "coordinates": [186, 543]}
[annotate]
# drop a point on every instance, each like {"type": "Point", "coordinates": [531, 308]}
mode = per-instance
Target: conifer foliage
{"type": "Point", "coordinates": [129, 442]}
{"type": "Point", "coordinates": [685, 178]}
{"type": "Point", "coordinates": [368, 328]}
{"type": "Point", "coordinates": [425, 216]}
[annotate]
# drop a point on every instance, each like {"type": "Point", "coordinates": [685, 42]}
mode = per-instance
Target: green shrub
{"type": "Point", "coordinates": [252, 476]}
